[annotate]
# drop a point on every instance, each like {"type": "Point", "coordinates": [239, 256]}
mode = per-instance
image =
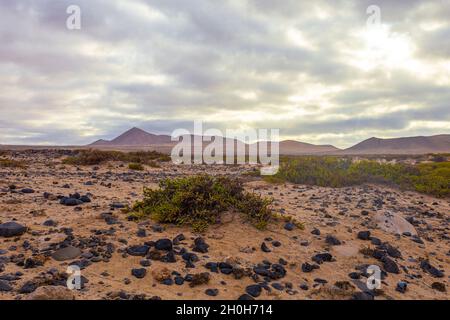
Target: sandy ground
{"type": "Point", "coordinates": [341, 213]}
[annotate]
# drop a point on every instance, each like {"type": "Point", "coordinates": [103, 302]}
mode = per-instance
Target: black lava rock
{"type": "Point", "coordinates": [85, 199]}
{"type": "Point", "coordinates": [264, 247]}
{"type": "Point", "coordinates": [332, 240]}
{"type": "Point", "coordinates": [139, 273]}
{"type": "Point", "coordinates": [28, 287]}
{"type": "Point", "coordinates": [306, 267]}
{"type": "Point", "coordinates": [253, 290]}
{"type": "Point", "coordinates": [427, 267]}
{"type": "Point", "coordinates": [401, 286]}
{"type": "Point", "coordinates": [4, 286]}
{"type": "Point", "coordinates": [70, 202]}
{"type": "Point", "coordinates": [212, 292]}
{"type": "Point", "coordinates": [11, 229]}
{"type": "Point", "coordinates": [322, 257]}
{"type": "Point", "coordinates": [200, 245]}
{"type": "Point", "coordinates": [163, 244]}
{"type": "Point", "coordinates": [138, 250]}
{"type": "Point", "coordinates": [245, 297]}
{"type": "Point", "coordinates": [364, 235]}
{"type": "Point", "coordinates": [289, 226]}
{"type": "Point", "coordinates": [389, 265]}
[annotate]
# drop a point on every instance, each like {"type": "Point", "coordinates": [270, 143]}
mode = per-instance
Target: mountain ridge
{"type": "Point", "coordinates": [136, 137]}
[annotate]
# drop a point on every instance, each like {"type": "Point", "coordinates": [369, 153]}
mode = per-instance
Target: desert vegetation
{"type": "Point", "coordinates": [200, 200]}
{"type": "Point", "coordinates": [11, 163]}
{"type": "Point", "coordinates": [135, 166]}
{"type": "Point", "coordinates": [95, 157]}
{"type": "Point", "coordinates": [431, 178]}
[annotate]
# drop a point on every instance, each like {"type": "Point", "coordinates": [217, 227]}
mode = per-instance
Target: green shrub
{"type": "Point", "coordinates": [10, 163]}
{"type": "Point", "coordinates": [96, 157]}
{"type": "Point", "coordinates": [199, 201]}
{"type": "Point", "coordinates": [154, 164]}
{"type": "Point", "coordinates": [136, 166]}
{"type": "Point", "coordinates": [430, 178]}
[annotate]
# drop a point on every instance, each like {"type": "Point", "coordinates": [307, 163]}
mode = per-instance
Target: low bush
{"type": "Point", "coordinates": [95, 157]}
{"type": "Point", "coordinates": [10, 163]}
{"type": "Point", "coordinates": [136, 166]}
{"type": "Point", "coordinates": [199, 201]}
{"type": "Point", "coordinates": [430, 178]}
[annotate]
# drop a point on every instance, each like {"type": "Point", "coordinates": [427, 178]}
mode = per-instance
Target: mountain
{"type": "Point", "coordinates": [291, 147]}
{"type": "Point", "coordinates": [138, 137]}
{"type": "Point", "coordinates": [407, 145]}
{"type": "Point", "coordinates": [100, 142]}
{"type": "Point", "coordinates": [134, 137]}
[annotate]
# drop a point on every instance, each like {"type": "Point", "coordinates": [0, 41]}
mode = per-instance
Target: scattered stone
{"type": "Point", "coordinates": [11, 229]}
{"type": "Point", "coordinates": [179, 280]}
{"type": "Point", "coordinates": [277, 286]}
{"type": "Point", "coordinates": [289, 226]}
{"type": "Point", "coordinates": [322, 257]}
{"type": "Point", "coordinates": [71, 202]}
{"type": "Point", "coordinates": [427, 267]}
{"type": "Point", "coordinates": [276, 243]}
{"type": "Point", "coordinates": [332, 240]}
{"type": "Point", "coordinates": [139, 273]}
{"type": "Point", "coordinates": [67, 253]}
{"type": "Point", "coordinates": [389, 265]}
{"type": "Point", "coordinates": [439, 286]}
{"type": "Point", "coordinates": [145, 263]}
{"type": "Point", "coordinates": [362, 296]}
{"type": "Point", "coordinates": [179, 238]}
{"type": "Point", "coordinates": [245, 296]}
{"type": "Point", "coordinates": [50, 223]}
{"type": "Point", "coordinates": [28, 287]}
{"type": "Point", "coordinates": [212, 292]}
{"type": "Point", "coordinates": [306, 267]}
{"type": "Point", "coordinates": [401, 286]}
{"type": "Point", "coordinates": [364, 235]}
{"type": "Point", "coordinates": [253, 290]}
{"type": "Point", "coordinates": [4, 286]}
{"type": "Point", "coordinates": [264, 247]}
{"type": "Point", "coordinates": [157, 228]}
{"type": "Point", "coordinates": [200, 245]}
{"type": "Point", "coordinates": [163, 244]}
{"type": "Point", "coordinates": [138, 250]}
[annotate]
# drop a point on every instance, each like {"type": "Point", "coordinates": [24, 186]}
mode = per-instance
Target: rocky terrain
{"type": "Point", "coordinates": [54, 215]}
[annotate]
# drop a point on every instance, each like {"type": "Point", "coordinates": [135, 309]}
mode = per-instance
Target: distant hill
{"type": "Point", "coordinates": [137, 138]}
{"type": "Point", "coordinates": [408, 145]}
{"type": "Point", "coordinates": [134, 137]}
{"type": "Point", "coordinates": [291, 147]}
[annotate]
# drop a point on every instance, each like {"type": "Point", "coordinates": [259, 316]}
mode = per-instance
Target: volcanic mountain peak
{"type": "Point", "coordinates": [135, 137]}
{"type": "Point", "coordinates": [404, 145]}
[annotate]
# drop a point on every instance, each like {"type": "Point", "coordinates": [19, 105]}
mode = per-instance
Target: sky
{"type": "Point", "coordinates": [316, 70]}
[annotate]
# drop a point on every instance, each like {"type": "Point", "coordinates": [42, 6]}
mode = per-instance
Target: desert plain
{"type": "Point", "coordinates": [342, 232]}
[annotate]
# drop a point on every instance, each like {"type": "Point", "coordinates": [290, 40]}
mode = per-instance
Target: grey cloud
{"type": "Point", "coordinates": [209, 52]}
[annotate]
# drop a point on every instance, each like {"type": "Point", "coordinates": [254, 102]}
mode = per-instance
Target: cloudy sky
{"type": "Point", "coordinates": [311, 68]}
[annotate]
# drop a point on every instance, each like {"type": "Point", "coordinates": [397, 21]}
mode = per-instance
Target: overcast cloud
{"type": "Point", "coordinates": [310, 68]}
